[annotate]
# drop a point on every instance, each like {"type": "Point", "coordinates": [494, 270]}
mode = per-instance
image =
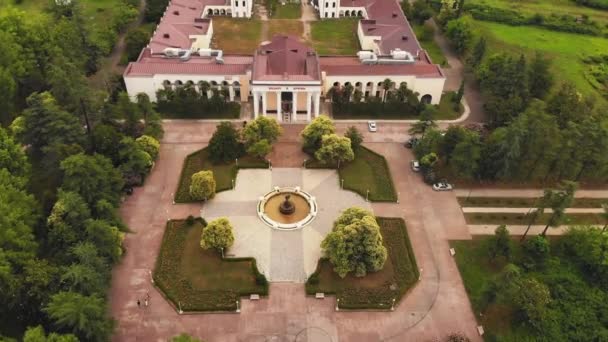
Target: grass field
{"type": "Point", "coordinates": [281, 27]}
{"type": "Point", "coordinates": [200, 280]}
{"type": "Point", "coordinates": [376, 290]}
{"type": "Point", "coordinates": [223, 173]}
{"type": "Point", "coordinates": [369, 171]}
{"type": "Point", "coordinates": [428, 44]}
{"type": "Point", "coordinates": [335, 37]}
{"type": "Point", "coordinates": [236, 36]}
{"type": "Point", "coordinates": [524, 219]}
{"type": "Point", "coordinates": [566, 50]}
{"type": "Point", "coordinates": [288, 11]}
{"type": "Point", "coordinates": [547, 7]}
{"type": "Point", "coordinates": [524, 202]}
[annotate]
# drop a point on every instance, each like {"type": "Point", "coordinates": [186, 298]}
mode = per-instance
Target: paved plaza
{"type": "Point", "coordinates": [281, 255]}
{"type": "Point", "coordinates": [435, 306]}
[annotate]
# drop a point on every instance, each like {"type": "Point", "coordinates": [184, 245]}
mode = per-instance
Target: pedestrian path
{"type": "Point", "coordinates": [488, 229]}
{"type": "Point", "coordinates": [489, 192]}
{"type": "Point", "coordinates": [527, 210]}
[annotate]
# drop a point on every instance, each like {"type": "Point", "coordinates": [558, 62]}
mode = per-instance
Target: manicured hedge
{"type": "Point", "coordinates": [223, 173]}
{"type": "Point", "coordinates": [178, 288]}
{"type": "Point", "coordinates": [357, 293]}
{"type": "Point", "coordinates": [374, 110]}
{"type": "Point", "coordinates": [563, 23]}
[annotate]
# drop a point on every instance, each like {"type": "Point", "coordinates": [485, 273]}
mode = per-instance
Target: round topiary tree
{"type": "Point", "coordinates": [355, 243]}
{"type": "Point", "coordinates": [313, 133]}
{"type": "Point", "coordinates": [335, 150]}
{"type": "Point", "coordinates": [202, 186]}
{"type": "Point", "coordinates": [149, 145]}
{"type": "Point", "coordinates": [217, 234]}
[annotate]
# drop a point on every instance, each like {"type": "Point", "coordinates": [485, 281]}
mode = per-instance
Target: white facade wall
{"type": "Point", "coordinates": [202, 41]}
{"type": "Point", "coordinates": [423, 86]}
{"type": "Point", "coordinates": [367, 42]}
{"type": "Point", "coordinates": [329, 8]}
{"type": "Point", "coordinates": [344, 10]}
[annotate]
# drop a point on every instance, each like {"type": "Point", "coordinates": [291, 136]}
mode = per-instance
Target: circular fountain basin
{"type": "Point", "coordinates": [305, 208]}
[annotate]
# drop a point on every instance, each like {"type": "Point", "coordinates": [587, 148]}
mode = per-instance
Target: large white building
{"type": "Point", "coordinates": [284, 77]}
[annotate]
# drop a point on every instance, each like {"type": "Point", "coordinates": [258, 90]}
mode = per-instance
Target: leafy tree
{"type": "Point", "coordinates": [217, 234]}
{"type": "Point", "coordinates": [387, 84]}
{"type": "Point", "coordinates": [66, 222]}
{"type": "Point", "coordinates": [605, 216]}
{"type": "Point", "coordinates": [260, 149]}
{"type": "Point", "coordinates": [185, 338]}
{"type": "Point", "coordinates": [12, 157]}
{"type": "Point", "coordinates": [428, 161]}
{"type": "Point", "coordinates": [457, 337]}
{"type": "Point", "coordinates": [107, 141]}
{"type": "Point", "coordinates": [538, 212]}
{"type": "Point", "coordinates": [129, 112]}
{"type": "Point", "coordinates": [107, 238]}
{"type": "Point", "coordinates": [83, 279]}
{"type": "Point", "coordinates": [459, 94]}
{"type": "Point", "coordinates": [425, 122]}
{"type": "Point", "coordinates": [460, 33]}
{"type": "Point", "coordinates": [92, 177]}
{"type": "Point", "coordinates": [532, 300]}
{"type": "Point", "coordinates": [262, 128]}
{"type": "Point", "coordinates": [149, 145]}
{"type": "Point", "coordinates": [429, 143]}
{"type": "Point", "coordinates": [466, 156]}
{"type": "Point", "coordinates": [85, 316]}
{"type": "Point", "coordinates": [152, 120]}
{"type": "Point", "coordinates": [8, 89]}
{"type": "Point", "coordinates": [536, 251]}
{"type": "Point", "coordinates": [587, 246]}
{"type": "Point", "coordinates": [202, 186]}
{"type": "Point", "coordinates": [421, 11]}
{"type": "Point", "coordinates": [45, 124]}
{"type": "Point", "coordinates": [569, 105]}
{"type": "Point", "coordinates": [540, 77]}
{"type": "Point", "coordinates": [500, 243]}
{"type": "Point", "coordinates": [136, 40]}
{"type": "Point", "coordinates": [133, 161]}
{"type": "Point", "coordinates": [224, 145]}
{"type": "Point", "coordinates": [313, 133]}
{"type": "Point", "coordinates": [479, 51]}
{"type": "Point", "coordinates": [356, 138]}
{"type": "Point", "coordinates": [406, 7]}
{"type": "Point", "coordinates": [335, 150]}
{"type": "Point", "coordinates": [37, 334]}
{"type": "Point", "coordinates": [355, 243]}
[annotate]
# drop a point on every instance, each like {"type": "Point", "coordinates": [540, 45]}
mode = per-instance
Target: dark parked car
{"type": "Point", "coordinates": [412, 142]}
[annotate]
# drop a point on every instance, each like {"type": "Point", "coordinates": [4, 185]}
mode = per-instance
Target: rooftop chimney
{"type": "Point", "coordinates": [165, 35]}
{"type": "Point", "coordinates": [404, 37]}
{"type": "Point", "coordinates": [176, 12]}
{"type": "Point", "coordinates": [394, 14]}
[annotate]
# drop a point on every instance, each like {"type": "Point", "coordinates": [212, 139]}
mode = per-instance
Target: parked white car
{"type": "Point", "coordinates": [442, 186]}
{"type": "Point", "coordinates": [415, 165]}
{"type": "Point", "coordinates": [371, 125]}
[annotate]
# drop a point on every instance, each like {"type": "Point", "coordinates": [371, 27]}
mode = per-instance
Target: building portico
{"type": "Point", "coordinates": [287, 103]}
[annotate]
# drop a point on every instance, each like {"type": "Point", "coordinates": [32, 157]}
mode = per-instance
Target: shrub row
{"type": "Point", "coordinates": [374, 109]}
{"type": "Point", "coordinates": [198, 109]}
{"type": "Point", "coordinates": [563, 23]}
{"type": "Point", "coordinates": [601, 4]}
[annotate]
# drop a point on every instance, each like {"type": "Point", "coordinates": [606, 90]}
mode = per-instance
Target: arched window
{"type": "Point", "coordinates": [167, 84]}
{"type": "Point", "coordinates": [333, 15]}
{"type": "Point", "coordinates": [210, 12]}
{"type": "Point", "coordinates": [369, 84]}
{"type": "Point", "coordinates": [333, 5]}
{"type": "Point", "coordinates": [225, 83]}
{"type": "Point", "coordinates": [426, 99]}
{"type": "Point", "coordinates": [336, 84]}
{"type": "Point", "coordinates": [360, 13]}
{"type": "Point", "coordinates": [213, 83]}
{"type": "Point", "coordinates": [236, 84]}
{"type": "Point", "coordinates": [358, 85]}
{"type": "Point", "coordinates": [347, 84]}
{"type": "Point", "coordinates": [326, 14]}
{"type": "Point", "coordinates": [179, 83]}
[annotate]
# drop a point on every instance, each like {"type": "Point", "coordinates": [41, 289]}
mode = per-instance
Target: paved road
{"type": "Point", "coordinates": [436, 306]}
{"type": "Point", "coordinates": [490, 192]}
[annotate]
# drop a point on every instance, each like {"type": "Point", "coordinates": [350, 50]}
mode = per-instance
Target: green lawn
{"type": "Point", "coordinates": [477, 272]}
{"type": "Point", "coordinates": [369, 171]}
{"type": "Point", "coordinates": [288, 11]}
{"type": "Point", "coordinates": [524, 219]}
{"type": "Point", "coordinates": [293, 28]}
{"type": "Point", "coordinates": [200, 280]}
{"type": "Point", "coordinates": [428, 44]}
{"type": "Point", "coordinates": [375, 290]}
{"type": "Point", "coordinates": [519, 202]}
{"type": "Point", "coordinates": [335, 37]}
{"type": "Point", "coordinates": [236, 36]}
{"type": "Point", "coordinates": [447, 110]}
{"type": "Point", "coordinates": [566, 50]}
{"type": "Point", "coordinates": [224, 173]}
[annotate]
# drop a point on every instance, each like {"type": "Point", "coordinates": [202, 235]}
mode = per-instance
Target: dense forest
{"type": "Point", "coordinates": [68, 154]}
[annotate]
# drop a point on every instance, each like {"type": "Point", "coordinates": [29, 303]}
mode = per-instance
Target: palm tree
{"type": "Point", "coordinates": [386, 85]}
{"type": "Point", "coordinates": [605, 216]}
{"type": "Point", "coordinates": [85, 316]}
{"type": "Point", "coordinates": [204, 87]}
{"type": "Point", "coordinates": [538, 211]}
{"type": "Point", "coordinates": [559, 202]}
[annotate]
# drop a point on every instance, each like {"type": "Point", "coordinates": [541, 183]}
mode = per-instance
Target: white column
{"type": "Point", "coordinates": [374, 89]}
{"type": "Point", "coordinates": [264, 103]}
{"type": "Point", "coordinates": [256, 104]}
{"type": "Point", "coordinates": [317, 104]}
{"type": "Point", "coordinates": [209, 94]}
{"type": "Point", "coordinates": [279, 111]}
{"type": "Point", "coordinates": [295, 107]}
{"type": "Point", "coordinates": [231, 93]}
{"type": "Point", "coordinates": [308, 105]}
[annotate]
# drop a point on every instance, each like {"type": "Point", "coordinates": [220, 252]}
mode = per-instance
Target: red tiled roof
{"type": "Point", "coordinates": [347, 66]}
{"type": "Point", "coordinates": [285, 58]}
{"type": "Point", "coordinates": [386, 19]}
{"type": "Point", "coordinates": [148, 65]}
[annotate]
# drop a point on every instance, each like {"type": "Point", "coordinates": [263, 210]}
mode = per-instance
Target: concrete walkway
{"type": "Point", "coordinates": [527, 210]}
{"type": "Point", "coordinates": [308, 14]}
{"type": "Point", "coordinates": [488, 192]}
{"type": "Point", "coordinates": [517, 230]}
{"type": "Point", "coordinates": [436, 306]}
